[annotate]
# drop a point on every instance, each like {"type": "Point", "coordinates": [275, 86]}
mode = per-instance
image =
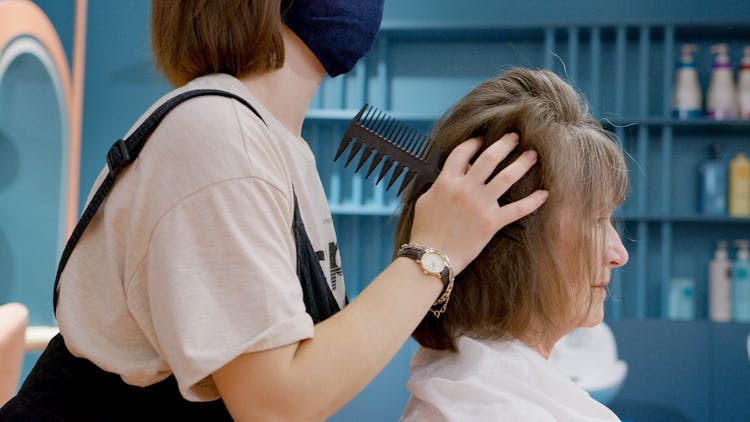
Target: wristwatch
{"type": "Point", "coordinates": [433, 261]}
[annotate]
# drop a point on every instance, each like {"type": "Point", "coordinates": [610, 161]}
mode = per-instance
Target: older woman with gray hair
{"type": "Point", "coordinates": [486, 357]}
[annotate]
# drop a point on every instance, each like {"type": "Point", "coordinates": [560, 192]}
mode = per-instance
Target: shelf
{"type": "Point", "coordinates": [626, 71]}
{"type": "Point", "coordinates": [345, 115]}
{"type": "Point", "coordinates": [364, 210]}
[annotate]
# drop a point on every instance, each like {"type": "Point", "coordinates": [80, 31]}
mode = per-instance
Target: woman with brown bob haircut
{"type": "Point", "coordinates": [207, 285]}
{"type": "Point", "coordinates": [486, 357]}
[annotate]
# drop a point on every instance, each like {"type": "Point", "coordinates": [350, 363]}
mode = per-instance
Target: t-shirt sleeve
{"type": "Point", "coordinates": [221, 279]}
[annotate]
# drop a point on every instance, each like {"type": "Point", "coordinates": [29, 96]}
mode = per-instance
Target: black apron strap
{"type": "Point", "coordinates": [120, 155]}
{"type": "Point", "coordinates": [64, 387]}
{"type": "Point", "coordinates": [318, 297]}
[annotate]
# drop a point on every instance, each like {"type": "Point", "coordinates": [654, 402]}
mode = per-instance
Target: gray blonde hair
{"type": "Point", "coordinates": [514, 287]}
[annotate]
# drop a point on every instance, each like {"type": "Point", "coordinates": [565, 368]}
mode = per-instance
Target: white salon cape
{"type": "Point", "coordinates": [495, 381]}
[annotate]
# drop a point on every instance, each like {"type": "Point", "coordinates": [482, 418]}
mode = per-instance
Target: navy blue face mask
{"type": "Point", "coordinates": [338, 32]}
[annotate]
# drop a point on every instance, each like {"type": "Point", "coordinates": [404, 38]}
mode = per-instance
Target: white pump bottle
{"type": "Point", "coordinates": [722, 96]}
{"type": "Point", "coordinates": [687, 97]}
{"type": "Point", "coordinates": [720, 285]}
{"type": "Point", "coordinates": [744, 84]}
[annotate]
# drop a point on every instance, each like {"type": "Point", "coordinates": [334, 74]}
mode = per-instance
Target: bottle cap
{"type": "Point", "coordinates": [687, 55]}
{"type": "Point", "coordinates": [745, 58]}
{"type": "Point", "coordinates": [742, 253]}
{"type": "Point", "coordinates": [722, 55]}
{"type": "Point", "coordinates": [715, 151]}
{"type": "Point", "coordinates": [721, 250]}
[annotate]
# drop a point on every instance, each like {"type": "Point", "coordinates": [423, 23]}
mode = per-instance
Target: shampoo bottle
{"type": "Point", "coordinates": [744, 85]}
{"type": "Point", "coordinates": [720, 285]}
{"type": "Point", "coordinates": [713, 183]}
{"type": "Point", "coordinates": [741, 283]}
{"type": "Point", "coordinates": [687, 97]}
{"type": "Point", "coordinates": [722, 95]}
{"type": "Point", "coordinates": [739, 186]}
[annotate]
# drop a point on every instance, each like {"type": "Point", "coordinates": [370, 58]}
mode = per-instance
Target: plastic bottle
{"type": "Point", "coordinates": [743, 89]}
{"type": "Point", "coordinates": [720, 285]}
{"type": "Point", "coordinates": [713, 183]}
{"type": "Point", "coordinates": [721, 101]}
{"type": "Point", "coordinates": [681, 300]}
{"type": "Point", "coordinates": [741, 282]}
{"type": "Point", "coordinates": [739, 186]}
{"type": "Point", "coordinates": [687, 97]}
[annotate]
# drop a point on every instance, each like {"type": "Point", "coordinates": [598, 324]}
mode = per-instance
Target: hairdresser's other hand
{"type": "Point", "coordinates": [459, 214]}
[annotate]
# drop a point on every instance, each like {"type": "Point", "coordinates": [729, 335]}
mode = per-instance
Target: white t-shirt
{"type": "Point", "coordinates": [191, 259]}
{"type": "Point", "coordinates": [495, 381]}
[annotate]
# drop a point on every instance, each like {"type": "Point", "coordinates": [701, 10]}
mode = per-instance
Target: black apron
{"type": "Point", "coordinates": [62, 387]}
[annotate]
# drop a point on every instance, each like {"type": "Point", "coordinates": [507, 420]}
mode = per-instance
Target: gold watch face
{"type": "Point", "coordinates": [432, 262]}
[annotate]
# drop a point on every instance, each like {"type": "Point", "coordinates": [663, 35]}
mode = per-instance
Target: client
{"type": "Point", "coordinates": [486, 357]}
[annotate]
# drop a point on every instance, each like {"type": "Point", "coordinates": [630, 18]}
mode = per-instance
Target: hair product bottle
{"type": "Point", "coordinates": [687, 97]}
{"type": "Point", "coordinates": [743, 89]}
{"type": "Point", "coordinates": [720, 285]}
{"type": "Point", "coordinates": [722, 95]}
{"type": "Point", "coordinates": [739, 186]}
{"type": "Point", "coordinates": [713, 183]}
{"type": "Point", "coordinates": [681, 300]}
{"type": "Point", "coordinates": [741, 282]}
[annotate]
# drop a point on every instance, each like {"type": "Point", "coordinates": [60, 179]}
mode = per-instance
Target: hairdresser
{"type": "Point", "coordinates": [197, 291]}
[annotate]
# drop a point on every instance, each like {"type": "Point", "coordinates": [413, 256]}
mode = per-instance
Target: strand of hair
{"type": "Point", "coordinates": [408, 177]}
{"type": "Point", "coordinates": [428, 151]}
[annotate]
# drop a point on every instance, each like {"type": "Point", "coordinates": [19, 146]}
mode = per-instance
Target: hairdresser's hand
{"type": "Point", "coordinates": [459, 214]}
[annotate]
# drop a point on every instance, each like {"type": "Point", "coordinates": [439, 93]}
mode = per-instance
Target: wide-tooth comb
{"type": "Point", "coordinates": [393, 143]}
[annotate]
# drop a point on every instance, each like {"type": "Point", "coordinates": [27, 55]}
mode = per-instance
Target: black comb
{"type": "Point", "coordinates": [394, 143]}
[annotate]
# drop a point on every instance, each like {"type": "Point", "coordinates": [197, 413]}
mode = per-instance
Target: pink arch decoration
{"type": "Point", "coordinates": [23, 17]}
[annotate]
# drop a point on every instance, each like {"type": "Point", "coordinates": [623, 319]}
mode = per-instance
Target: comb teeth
{"type": "Point", "coordinates": [392, 142]}
{"type": "Point", "coordinates": [388, 143]}
{"type": "Point", "coordinates": [390, 129]}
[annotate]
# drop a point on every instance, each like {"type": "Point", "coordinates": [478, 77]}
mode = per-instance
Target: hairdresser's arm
{"type": "Point", "coordinates": [312, 379]}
